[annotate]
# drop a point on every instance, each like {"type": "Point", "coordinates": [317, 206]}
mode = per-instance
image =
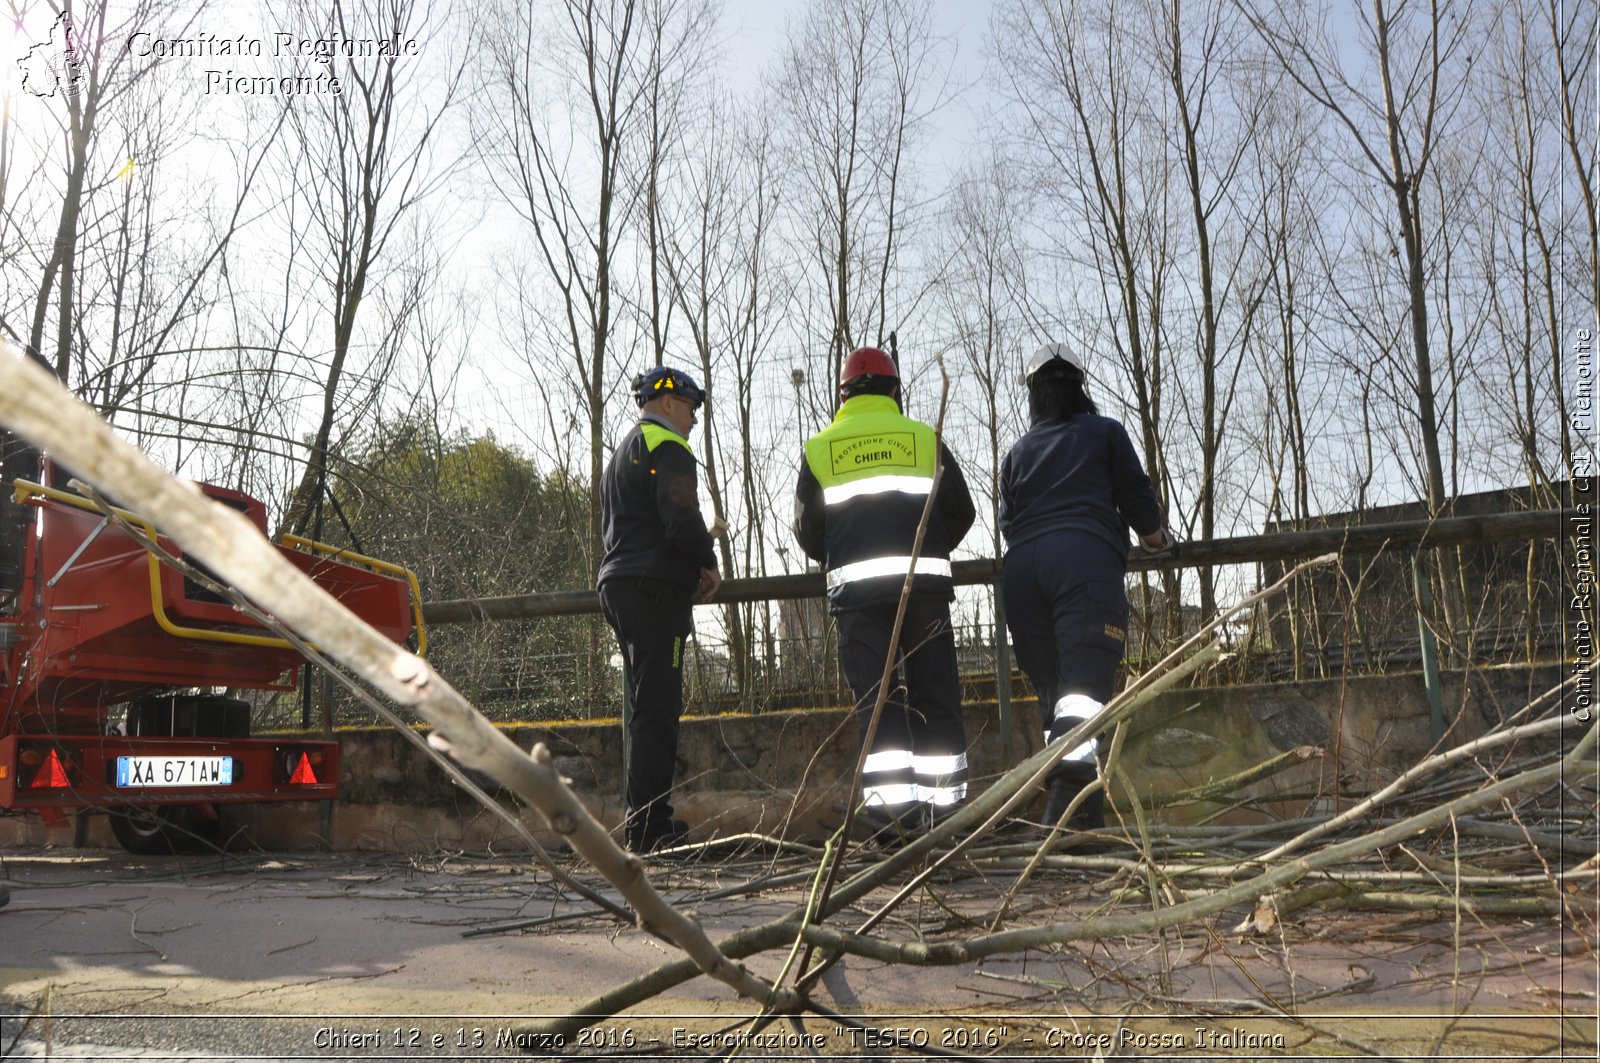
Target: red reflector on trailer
{"type": "Point", "coordinates": [52, 775]}
{"type": "Point", "coordinates": [303, 775]}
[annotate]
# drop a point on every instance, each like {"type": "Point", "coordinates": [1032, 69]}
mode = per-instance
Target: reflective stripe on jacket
{"type": "Point", "coordinates": [862, 489]}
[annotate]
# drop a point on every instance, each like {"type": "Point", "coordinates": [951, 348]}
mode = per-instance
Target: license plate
{"type": "Point", "coordinates": [174, 771]}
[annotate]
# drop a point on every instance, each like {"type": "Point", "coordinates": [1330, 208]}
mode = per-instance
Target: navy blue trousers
{"type": "Point", "coordinates": [1068, 615]}
{"type": "Point", "coordinates": [652, 620]}
{"type": "Point", "coordinates": [918, 754]}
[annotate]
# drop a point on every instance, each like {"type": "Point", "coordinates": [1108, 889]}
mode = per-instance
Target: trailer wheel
{"type": "Point", "coordinates": [158, 830]}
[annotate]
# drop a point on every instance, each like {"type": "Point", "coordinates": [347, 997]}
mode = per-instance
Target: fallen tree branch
{"type": "Point", "coordinates": [1226, 786]}
{"type": "Point", "coordinates": [1158, 678]}
{"type": "Point", "coordinates": [1017, 785]}
{"type": "Point", "coordinates": [1579, 762]}
{"type": "Point", "coordinates": [1271, 910]}
{"type": "Point", "coordinates": [1576, 763]}
{"type": "Point", "coordinates": [1429, 766]}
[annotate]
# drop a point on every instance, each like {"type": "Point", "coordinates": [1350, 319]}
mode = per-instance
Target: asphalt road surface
{"type": "Point", "coordinates": [383, 956]}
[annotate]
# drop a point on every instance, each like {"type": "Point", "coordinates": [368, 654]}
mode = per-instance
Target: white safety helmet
{"type": "Point", "coordinates": [1051, 352]}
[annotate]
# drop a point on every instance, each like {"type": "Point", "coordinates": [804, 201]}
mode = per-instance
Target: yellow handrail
{"type": "Point", "coordinates": [300, 542]}
{"type": "Point", "coordinates": [25, 489]}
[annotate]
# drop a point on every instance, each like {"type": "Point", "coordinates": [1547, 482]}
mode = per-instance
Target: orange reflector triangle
{"type": "Point", "coordinates": [303, 775]}
{"type": "Point", "coordinates": [52, 774]}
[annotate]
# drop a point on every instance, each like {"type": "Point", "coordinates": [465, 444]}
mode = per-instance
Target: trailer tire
{"type": "Point", "coordinates": [159, 830]}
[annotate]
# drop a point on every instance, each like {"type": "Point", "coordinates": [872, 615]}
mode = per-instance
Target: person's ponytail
{"type": "Point", "coordinates": [1056, 392]}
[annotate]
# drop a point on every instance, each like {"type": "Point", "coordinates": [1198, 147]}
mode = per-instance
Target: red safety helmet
{"type": "Point", "coordinates": [867, 361]}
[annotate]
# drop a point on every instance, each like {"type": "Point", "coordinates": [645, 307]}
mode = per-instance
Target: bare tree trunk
{"type": "Point", "coordinates": [1419, 94]}
{"type": "Point", "coordinates": [577, 225]}
{"type": "Point", "coordinates": [87, 75]}
{"type": "Point", "coordinates": [1192, 94]}
{"type": "Point", "coordinates": [1083, 104]}
{"type": "Point", "coordinates": [1573, 48]}
{"type": "Point", "coordinates": [368, 155]}
{"type": "Point", "coordinates": [853, 93]}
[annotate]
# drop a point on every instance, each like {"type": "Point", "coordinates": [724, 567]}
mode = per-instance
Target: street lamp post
{"type": "Point", "coordinates": [797, 377]}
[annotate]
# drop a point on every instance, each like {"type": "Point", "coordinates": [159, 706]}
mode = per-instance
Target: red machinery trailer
{"type": "Point", "coordinates": [94, 627]}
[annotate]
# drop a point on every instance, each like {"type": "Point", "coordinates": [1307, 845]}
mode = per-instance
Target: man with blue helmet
{"type": "Point", "coordinates": [658, 562]}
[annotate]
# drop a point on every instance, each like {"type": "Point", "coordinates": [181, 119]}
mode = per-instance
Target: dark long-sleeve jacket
{"type": "Point", "coordinates": [650, 518]}
{"type": "Point", "coordinates": [1080, 475]}
{"type": "Point", "coordinates": [859, 499]}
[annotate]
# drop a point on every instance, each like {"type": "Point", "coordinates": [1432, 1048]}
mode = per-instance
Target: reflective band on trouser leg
{"type": "Point", "coordinates": [1070, 711]}
{"type": "Point", "coordinates": [887, 760]}
{"type": "Point", "coordinates": [892, 795]}
{"type": "Point", "coordinates": [886, 566]}
{"type": "Point", "coordinates": [887, 778]}
{"type": "Point", "coordinates": [941, 780]}
{"type": "Point", "coordinates": [943, 796]}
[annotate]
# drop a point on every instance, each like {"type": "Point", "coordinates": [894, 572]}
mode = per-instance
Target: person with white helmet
{"type": "Point", "coordinates": [863, 485]}
{"type": "Point", "coordinates": [658, 562]}
{"type": "Point", "coordinates": [1070, 489]}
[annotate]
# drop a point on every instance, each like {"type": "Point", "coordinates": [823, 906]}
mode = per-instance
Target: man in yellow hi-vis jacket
{"type": "Point", "coordinates": [862, 488]}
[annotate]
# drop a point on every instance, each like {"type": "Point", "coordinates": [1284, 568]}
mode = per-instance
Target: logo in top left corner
{"type": "Point", "coordinates": [55, 63]}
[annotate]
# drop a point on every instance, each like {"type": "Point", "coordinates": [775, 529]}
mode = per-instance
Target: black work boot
{"type": "Point", "coordinates": [1065, 782]}
{"type": "Point", "coordinates": [650, 829]}
{"type": "Point", "coordinates": [894, 830]}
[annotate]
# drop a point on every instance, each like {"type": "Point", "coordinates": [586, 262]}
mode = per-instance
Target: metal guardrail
{"type": "Point", "coordinates": [1408, 538]}
{"type": "Point", "coordinates": [1249, 549]}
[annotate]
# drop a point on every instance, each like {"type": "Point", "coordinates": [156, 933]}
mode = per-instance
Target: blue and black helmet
{"type": "Point", "coordinates": [663, 380]}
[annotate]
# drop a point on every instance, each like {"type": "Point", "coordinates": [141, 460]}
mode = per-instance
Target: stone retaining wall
{"type": "Point", "coordinates": [785, 772]}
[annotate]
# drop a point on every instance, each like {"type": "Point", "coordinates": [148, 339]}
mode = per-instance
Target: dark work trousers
{"type": "Point", "coordinates": [918, 755]}
{"type": "Point", "coordinates": [652, 619]}
{"type": "Point", "coordinates": [1068, 615]}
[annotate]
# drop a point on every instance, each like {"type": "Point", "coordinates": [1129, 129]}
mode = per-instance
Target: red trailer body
{"type": "Point", "coordinates": [98, 622]}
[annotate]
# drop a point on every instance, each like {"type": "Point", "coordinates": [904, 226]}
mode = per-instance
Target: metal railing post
{"type": "Point", "coordinates": [627, 718]}
{"type": "Point", "coordinates": [1002, 671]}
{"type": "Point", "coordinates": [1429, 646]}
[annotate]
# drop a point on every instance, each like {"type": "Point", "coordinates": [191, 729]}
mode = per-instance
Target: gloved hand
{"type": "Point", "coordinates": [1168, 548]}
